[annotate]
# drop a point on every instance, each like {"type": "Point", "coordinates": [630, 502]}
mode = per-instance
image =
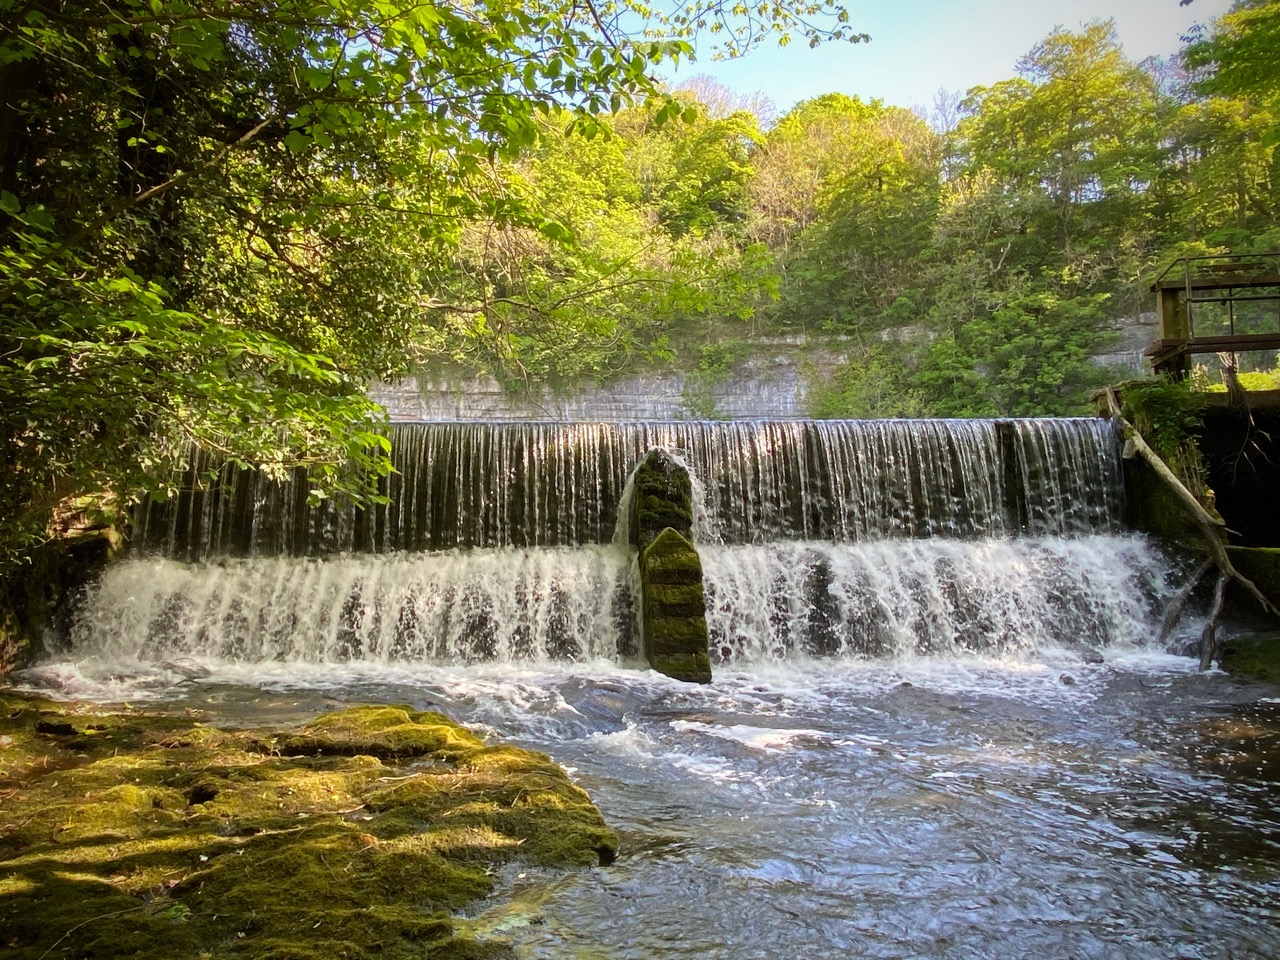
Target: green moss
{"type": "Point", "coordinates": [671, 559]}
{"type": "Point", "coordinates": [155, 837]}
{"type": "Point", "coordinates": [675, 594]}
{"type": "Point", "coordinates": [678, 635]}
{"type": "Point", "coordinates": [690, 667]}
{"type": "Point", "coordinates": [664, 498]}
{"type": "Point", "coordinates": [1170, 416]}
{"type": "Point", "coordinates": [386, 732]}
{"type": "Point", "coordinates": [674, 608]}
{"type": "Point", "coordinates": [1155, 509]}
{"type": "Point", "coordinates": [1168, 413]}
{"type": "Point", "coordinates": [1254, 655]}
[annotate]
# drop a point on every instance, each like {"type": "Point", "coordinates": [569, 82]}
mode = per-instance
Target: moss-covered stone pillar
{"type": "Point", "coordinates": [673, 608]}
{"type": "Point", "coordinates": [663, 498]}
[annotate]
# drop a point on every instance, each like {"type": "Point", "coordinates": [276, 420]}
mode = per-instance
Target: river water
{"type": "Point", "coordinates": [916, 801]}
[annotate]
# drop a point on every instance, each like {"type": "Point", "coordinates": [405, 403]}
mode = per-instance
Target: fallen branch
{"type": "Point", "coordinates": [1212, 529]}
{"type": "Point", "coordinates": [1174, 610]}
{"type": "Point", "coordinates": [1209, 639]}
{"type": "Point", "coordinates": [85, 923]}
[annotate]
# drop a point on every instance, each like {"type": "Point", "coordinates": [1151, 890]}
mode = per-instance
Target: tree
{"type": "Point", "coordinates": [1241, 56]}
{"type": "Point", "coordinates": [1077, 126]}
{"type": "Point", "coordinates": [856, 267]}
{"type": "Point", "coordinates": [220, 218]}
{"type": "Point", "coordinates": [654, 212]}
{"type": "Point", "coordinates": [1226, 175]}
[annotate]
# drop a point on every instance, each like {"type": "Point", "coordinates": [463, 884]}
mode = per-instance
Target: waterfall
{"type": "Point", "coordinates": [503, 542]}
{"type": "Point", "coordinates": [508, 604]}
{"type": "Point", "coordinates": [559, 484]}
{"type": "Point", "coordinates": [889, 598]}
{"type": "Point", "coordinates": [931, 597]}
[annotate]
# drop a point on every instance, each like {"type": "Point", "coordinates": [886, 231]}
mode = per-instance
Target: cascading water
{"type": "Point", "coordinates": [875, 538]}
{"type": "Point", "coordinates": [899, 599]}
{"type": "Point", "coordinates": [559, 484]}
{"type": "Point", "coordinates": [506, 604]}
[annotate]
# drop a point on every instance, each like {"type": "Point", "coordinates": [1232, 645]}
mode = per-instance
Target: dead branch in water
{"type": "Point", "coordinates": [1212, 530]}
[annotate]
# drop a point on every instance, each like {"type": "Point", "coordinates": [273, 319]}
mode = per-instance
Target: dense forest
{"type": "Point", "coordinates": [971, 258]}
{"type": "Point", "coordinates": [221, 219]}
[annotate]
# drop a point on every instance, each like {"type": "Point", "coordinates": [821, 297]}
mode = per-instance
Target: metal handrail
{"type": "Point", "coordinates": [1261, 262]}
{"type": "Point", "coordinates": [1186, 262]}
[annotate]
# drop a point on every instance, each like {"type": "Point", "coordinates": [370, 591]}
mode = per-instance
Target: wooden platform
{"type": "Point", "coordinates": [1227, 281]}
{"type": "Point", "coordinates": [1162, 351]}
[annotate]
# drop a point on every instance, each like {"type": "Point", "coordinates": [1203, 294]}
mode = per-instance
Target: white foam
{"type": "Point", "coordinates": [504, 605]}
{"type": "Point", "coordinates": [758, 738]}
{"type": "Point", "coordinates": [903, 598]}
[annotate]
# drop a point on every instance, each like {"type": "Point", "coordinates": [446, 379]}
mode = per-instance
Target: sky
{"type": "Point", "coordinates": [920, 46]}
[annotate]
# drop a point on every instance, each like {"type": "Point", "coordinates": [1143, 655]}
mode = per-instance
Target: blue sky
{"type": "Point", "coordinates": [918, 46]}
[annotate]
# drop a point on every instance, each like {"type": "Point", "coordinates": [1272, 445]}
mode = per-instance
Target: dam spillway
{"type": "Point", "coordinates": [560, 484]}
{"type": "Point", "coordinates": [902, 752]}
{"type": "Point", "coordinates": [502, 542]}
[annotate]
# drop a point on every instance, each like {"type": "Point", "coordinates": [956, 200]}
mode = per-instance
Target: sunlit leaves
{"type": "Point", "coordinates": [224, 218]}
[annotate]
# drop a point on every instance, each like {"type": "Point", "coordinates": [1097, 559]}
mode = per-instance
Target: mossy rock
{"type": "Point", "coordinates": [384, 732]}
{"type": "Point", "coordinates": [676, 594]}
{"type": "Point", "coordinates": [663, 498]}
{"type": "Point", "coordinates": [13, 642]}
{"type": "Point", "coordinates": [671, 559]}
{"type": "Point", "coordinates": [673, 606]}
{"type": "Point", "coordinates": [681, 635]}
{"type": "Point", "coordinates": [689, 667]}
{"type": "Point", "coordinates": [133, 835]}
{"type": "Point", "coordinates": [1253, 655]}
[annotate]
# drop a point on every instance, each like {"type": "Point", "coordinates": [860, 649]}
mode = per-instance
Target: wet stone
{"type": "Point", "coordinates": [357, 835]}
{"type": "Point", "coordinates": [674, 618]}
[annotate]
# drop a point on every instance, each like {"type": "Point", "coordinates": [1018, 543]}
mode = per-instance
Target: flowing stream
{"type": "Point", "coordinates": [957, 806]}
{"type": "Point", "coordinates": [938, 725]}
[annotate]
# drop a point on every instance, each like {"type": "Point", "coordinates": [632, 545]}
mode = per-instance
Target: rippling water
{"type": "Point", "coordinates": [1025, 805]}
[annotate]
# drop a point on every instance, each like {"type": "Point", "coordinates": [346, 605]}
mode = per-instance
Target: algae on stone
{"type": "Point", "coordinates": [129, 835]}
{"type": "Point", "coordinates": [663, 498]}
{"type": "Point", "coordinates": [673, 609]}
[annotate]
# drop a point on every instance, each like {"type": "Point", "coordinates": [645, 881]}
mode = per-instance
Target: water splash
{"type": "Point", "coordinates": [787, 600]}
{"type": "Point", "coordinates": [932, 597]}
{"type": "Point", "coordinates": [503, 605]}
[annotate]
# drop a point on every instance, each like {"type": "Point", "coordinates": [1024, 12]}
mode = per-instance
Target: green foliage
{"type": "Point", "coordinates": [220, 221]}
{"type": "Point", "coordinates": [1028, 355]}
{"type": "Point", "coordinates": [1168, 413]}
{"type": "Point", "coordinates": [1170, 416]}
{"type": "Point", "coordinates": [654, 256]}
{"type": "Point", "coordinates": [1062, 193]}
{"type": "Point", "coordinates": [1241, 57]}
{"type": "Point", "coordinates": [879, 382]}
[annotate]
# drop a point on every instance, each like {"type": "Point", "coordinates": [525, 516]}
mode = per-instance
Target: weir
{"type": "Point", "coordinates": [559, 484]}
{"type": "Point", "coordinates": [502, 542]}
